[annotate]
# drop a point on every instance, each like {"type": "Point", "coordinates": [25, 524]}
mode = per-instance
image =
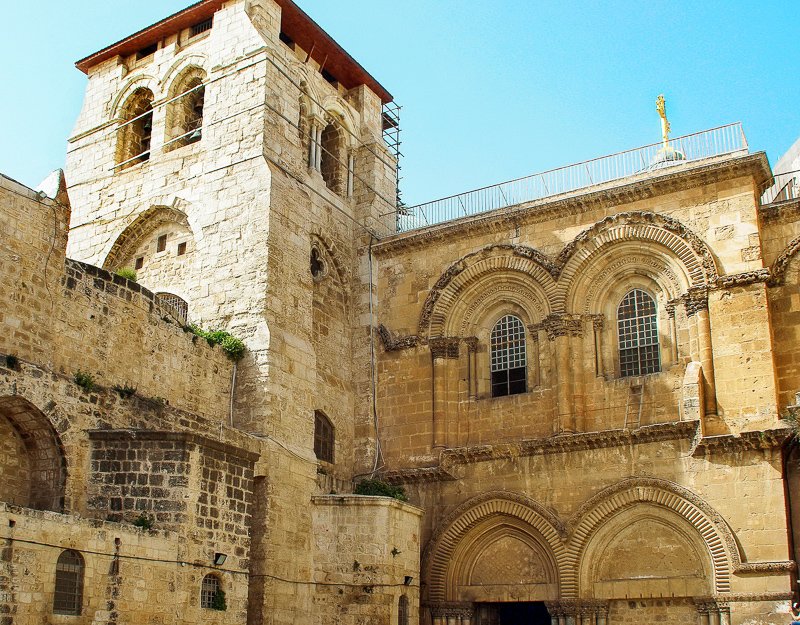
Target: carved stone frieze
{"type": "Point", "coordinates": [745, 441]}
{"type": "Point", "coordinates": [450, 609]}
{"type": "Point", "coordinates": [451, 458]}
{"type": "Point", "coordinates": [561, 324]}
{"type": "Point", "coordinates": [392, 343]}
{"type": "Point", "coordinates": [742, 279]}
{"type": "Point", "coordinates": [444, 347]}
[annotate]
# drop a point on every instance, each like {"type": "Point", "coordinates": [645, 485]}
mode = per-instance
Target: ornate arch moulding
{"type": "Point", "coordinates": [554, 276]}
{"type": "Point", "coordinates": [459, 523]}
{"type": "Point", "coordinates": [568, 541]}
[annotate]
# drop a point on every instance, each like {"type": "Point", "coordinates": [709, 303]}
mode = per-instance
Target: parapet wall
{"type": "Point", "coordinates": [67, 316]}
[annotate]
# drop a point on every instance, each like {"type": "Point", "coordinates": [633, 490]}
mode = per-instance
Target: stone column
{"type": "Point", "coordinates": [563, 330]}
{"type": "Point", "coordinates": [442, 350]}
{"type": "Point", "coordinates": [598, 323]}
{"type": "Point", "coordinates": [318, 156]}
{"type": "Point", "coordinates": [472, 367]}
{"type": "Point", "coordinates": [312, 145]}
{"type": "Point", "coordinates": [673, 331]}
{"type": "Point", "coordinates": [696, 302]}
{"type": "Point", "coordinates": [350, 169]}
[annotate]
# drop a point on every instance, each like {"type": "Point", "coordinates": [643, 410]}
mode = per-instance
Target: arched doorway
{"type": "Point", "coordinates": [495, 562]}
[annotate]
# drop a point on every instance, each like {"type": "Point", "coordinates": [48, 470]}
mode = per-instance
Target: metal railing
{"type": "Point", "coordinates": [781, 187]}
{"type": "Point", "coordinates": [700, 145]}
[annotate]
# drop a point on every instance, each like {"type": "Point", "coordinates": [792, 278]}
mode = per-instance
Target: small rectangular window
{"type": "Point", "coordinates": [181, 248]}
{"type": "Point", "coordinates": [140, 262]}
{"type": "Point", "coordinates": [147, 51]}
{"type": "Point", "coordinates": [161, 245]}
{"type": "Point", "coordinates": [201, 27]}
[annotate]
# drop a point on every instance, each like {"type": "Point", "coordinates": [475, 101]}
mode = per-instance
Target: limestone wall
{"type": "Point", "coordinates": [366, 556]}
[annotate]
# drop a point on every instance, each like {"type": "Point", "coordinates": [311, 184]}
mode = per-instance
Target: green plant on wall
{"type": "Point", "coordinates": [232, 346]}
{"type": "Point", "coordinates": [144, 521]}
{"type": "Point", "coordinates": [84, 380]}
{"type": "Point", "coordinates": [125, 390]}
{"type": "Point", "coordinates": [379, 488]}
{"type": "Point", "coordinates": [218, 602]}
{"type": "Point", "coordinates": [127, 272]}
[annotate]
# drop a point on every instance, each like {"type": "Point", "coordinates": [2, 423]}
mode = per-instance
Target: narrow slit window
{"type": "Point", "coordinates": [181, 248]}
{"type": "Point", "coordinates": [402, 610]}
{"type": "Point", "coordinates": [139, 262]}
{"type": "Point", "coordinates": [509, 358]}
{"type": "Point", "coordinates": [161, 244]}
{"type": "Point", "coordinates": [323, 437]}
{"type": "Point", "coordinates": [637, 327]}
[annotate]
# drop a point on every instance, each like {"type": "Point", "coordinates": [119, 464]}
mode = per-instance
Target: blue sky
{"type": "Point", "coordinates": [490, 90]}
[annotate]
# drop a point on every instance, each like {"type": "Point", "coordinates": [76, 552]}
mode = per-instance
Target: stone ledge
{"type": "Point", "coordinates": [560, 443]}
{"type": "Point", "coordinates": [180, 437]}
{"type": "Point", "coordinates": [365, 500]}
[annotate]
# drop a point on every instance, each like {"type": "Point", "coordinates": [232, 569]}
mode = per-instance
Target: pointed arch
{"type": "Point", "coordinates": [184, 113]}
{"type": "Point", "coordinates": [479, 521]}
{"type": "Point", "coordinates": [46, 460]}
{"type": "Point", "coordinates": [133, 84]}
{"type": "Point", "coordinates": [780, 267]}
{"type": "Point", "coordinates": [709, 525]}
{"type": "Point", "coordinates": [463, 281]}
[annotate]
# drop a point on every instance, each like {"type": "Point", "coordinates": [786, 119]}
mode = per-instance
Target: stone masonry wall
{"type": "Point", "coordinates": [366, 549]}
{"type": "Point", "coordinates": [130, 575]}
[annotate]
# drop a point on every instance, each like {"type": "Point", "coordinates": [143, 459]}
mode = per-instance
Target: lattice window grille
{"type": "Point", "coordinates": [637, 326]}
{"type": "Point", "coordinates": [68, 595]}
{"type": "Point", "coordinates": [508, 344]}
{"type": "Point", "coordinates": [209, 590]}
{"type": "Point", "coordinates": [177, 307]}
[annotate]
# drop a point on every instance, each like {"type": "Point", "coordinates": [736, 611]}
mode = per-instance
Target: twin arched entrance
{"type": "Point", "coordinates": [502, 558]}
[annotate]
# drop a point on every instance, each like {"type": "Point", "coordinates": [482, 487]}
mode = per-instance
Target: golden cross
{"type": "Point", "coordinates": [661, 107]}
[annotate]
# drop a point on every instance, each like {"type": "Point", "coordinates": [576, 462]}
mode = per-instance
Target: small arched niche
{"type": "Point", "coordinates": [32, 465]}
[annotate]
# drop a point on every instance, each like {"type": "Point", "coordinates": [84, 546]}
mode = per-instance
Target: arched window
{"type": "Point", "coordinates": [637, 327]}
{"type": "Point", "coordinates": [68, 596]}
{"type": "Point", "coordinates": [509, 360]}
{"type": "Point", "coordinates": [185, 114]}
{"type": "Point", "coordinates": [331, 159]}
{"type": "Point", "coordinates": [402, 610]}
{"type": "Point", "coordinates": [136, 130]}
{"type": "Point", "coordinates": [208, 592]}
{"type": "Point", "coordinates": [323, 437]}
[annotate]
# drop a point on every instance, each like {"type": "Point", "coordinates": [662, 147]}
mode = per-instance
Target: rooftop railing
{"type": "Point", "coordinates": [700, 145]}
{"type": "Point", "coordinates": [781, 187]}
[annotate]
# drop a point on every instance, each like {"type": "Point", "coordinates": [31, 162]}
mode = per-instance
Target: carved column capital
{"type": "Point", "coordinates": [695, 300]}
{"type": "Point", "coordinates": [444, 347]}
{"type": "Point", "coordinates": [561, 324]}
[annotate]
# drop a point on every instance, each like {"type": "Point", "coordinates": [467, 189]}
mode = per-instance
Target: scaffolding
{"type": "Point", "coordinates": [391, 135]}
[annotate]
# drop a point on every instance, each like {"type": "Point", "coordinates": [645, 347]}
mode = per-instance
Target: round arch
{"type": "Point", "coordinates": [452, 554]}
{"type": "Point", "coordinates": [45, 459]}
{"type": "Point", "coordinates": [142, 81]}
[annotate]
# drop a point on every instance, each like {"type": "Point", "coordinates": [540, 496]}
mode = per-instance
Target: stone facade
{"type": "Point", "coordinates": [232, 155]}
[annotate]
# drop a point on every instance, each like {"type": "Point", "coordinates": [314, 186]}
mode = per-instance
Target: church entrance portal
{"type": "Point", "coordinates": [529, 613]}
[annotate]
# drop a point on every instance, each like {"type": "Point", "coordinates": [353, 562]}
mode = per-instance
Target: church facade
{"type": "Point", "coordinates": [580, 387]}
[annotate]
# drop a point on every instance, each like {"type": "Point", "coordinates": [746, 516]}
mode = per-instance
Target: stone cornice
{"type": "Point", "coordinates": [179, 437]}
{"type": "Point", "coordinates": [788, 210]}
{"type": "Point", "coordinates": [619, 193]}
{"type": "Point", "coordinates": [745, 441]}
{"type": "Point", "coordinates": [451, 459]}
